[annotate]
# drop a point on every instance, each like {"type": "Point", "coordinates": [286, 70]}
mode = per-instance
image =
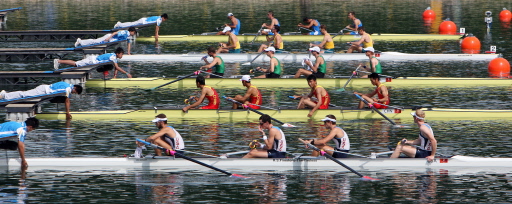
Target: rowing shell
{"type": "Point", "coordinates": [246, 38]}
{"type": "Point", "coordinates": [401, 82]}
{"type": "Point", "coordinates": [90, 165]}
{"type": "Point", "coordinates": [296, 58]}
{"type": "Point", "coordinates": [288, 114]}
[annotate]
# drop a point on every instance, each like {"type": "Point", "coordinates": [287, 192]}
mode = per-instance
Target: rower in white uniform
{"type": "Point", "coordinates": [337, 135]}
{"type": "Point", "coordinates": [167, 137]}
{"type": "Point", "coordinates": [275, 143]}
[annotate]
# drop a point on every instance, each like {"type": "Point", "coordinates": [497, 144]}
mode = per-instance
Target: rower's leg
{"type": "Point", "coordinates": [257, 153]}
{"type": "Point", "coordinates": [68, 62]}
{"type": "Point", "coordinates": [302, 72]}
{"type": "Point", "coordinates": [262, 47]}
{"type": "Point", "coordinates": [407, 150]}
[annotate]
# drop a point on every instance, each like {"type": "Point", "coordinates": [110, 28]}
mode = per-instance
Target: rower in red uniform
{"type": "Point", "coordinates": [252, 97]}
{"type": "Point", "coordinates": [382, 101]}
{"type": "Point", "coordinates": [323, 98]}
{"type": "Point", "coordinates": [207, 92]}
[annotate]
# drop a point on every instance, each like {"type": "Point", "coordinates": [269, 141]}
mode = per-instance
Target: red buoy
{"type": "Point", "coordinates": [499, 68]}
{"type": "Point", "coordinates": [447, 28]}
{"type": "Point", "coordinates": [505, 15]}
{"type": "Point", "coordinates": [470, 45]}
{"type": "Point", "coordinates": [429, 14]}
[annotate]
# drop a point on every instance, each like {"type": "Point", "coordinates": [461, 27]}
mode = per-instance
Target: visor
{"type": "Point", "coordinates": [159, 119]}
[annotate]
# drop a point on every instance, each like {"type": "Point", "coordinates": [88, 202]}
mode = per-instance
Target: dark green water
{"type": "Point", "coordinates": [114, 138]}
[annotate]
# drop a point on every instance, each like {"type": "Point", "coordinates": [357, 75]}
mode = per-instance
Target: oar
{"type": "Point", "coordinates": [193, 160]}
{"type": "Point", "coordinates": [259, 31]}
{"type": "Point", "coordinates": [249, 63]}
{"type": "Point", "coordinates": [305, 29]}
{"type": "Point", "coordinates": [211, 74]}
{"type": "Point", "coordinates": [337, 161]}
{"type": "Point", "coordinates": [195, 73]}
{"type": "Point", "coordinates": [263, 106]}
{"type": "Point", "coordinates": [346, 83]}
{"type": "Point", "coordinates": [253, 110]}
{"type": "Point", "coordinates": [375, 109]}
{"type": "Point", "coordinates": [341, 31]}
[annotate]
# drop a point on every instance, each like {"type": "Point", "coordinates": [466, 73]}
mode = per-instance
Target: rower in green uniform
{"type": "Point", "coordinates": [375, 66]}
{"type": "Point", "coordinates": [318, 69]}
{"type": "Point", "coordinates": [217, 64]}
{"type": "Point", "coordinates": [274, 70]}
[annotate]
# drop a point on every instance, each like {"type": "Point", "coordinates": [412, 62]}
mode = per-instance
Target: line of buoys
{"type": "Point", "coordinates": [470, 44]}
{"type": "Point", "coordinates": [505, 15]}
{"type": "Point", "coordinates": [429, 14]}
{"type": "Point", "coordinates": [447, 27]}
{"type": "Point", "coordinates": [499, 68]}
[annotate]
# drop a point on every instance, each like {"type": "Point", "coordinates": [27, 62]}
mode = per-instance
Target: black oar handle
{"type": "Point", "coordinates": [375, 109]}
{"type": "Point", "coordinates": [187, 158]}
{"type": "Point", "coordinates": [352, 75]}
{"type": "Point", "coordinates": [332, 158]}
{"type": "Point", "coordinates": [251, 109]}
{"type": "Point", "coordinates": [195, 73]}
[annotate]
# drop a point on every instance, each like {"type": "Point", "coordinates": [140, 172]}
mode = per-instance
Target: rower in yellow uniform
{"type": "Point", "coordinates": [233, 45]}
{"type": "Point", "coordinates": [365, 41]}
{"type": "Point", "coordinates": [276, 39]}
{"type": "Point", "coordinates": [327, 44]}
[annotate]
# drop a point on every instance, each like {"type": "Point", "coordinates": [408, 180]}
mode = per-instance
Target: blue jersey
{"type": "Point", "coordinates": [237, 28]}
{"type": "Point", "coordinates": [316, 28]}
{"type": "Point", "coordinates": [62, 86]}
{"type": "Point", "coordinates": [154, 19]}
{"type": "Point", "coordinates": [122, 35]}
{"type": "Point", "coordinates": [107, 57]}
{"type": "Point", "coordinates": [10, 129]}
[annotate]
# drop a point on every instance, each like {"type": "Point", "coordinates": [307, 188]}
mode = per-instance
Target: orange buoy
{"type": "Point", "coordinates": [470, 45]}
{"type": "Point", "coordinates": [429, 14]}
{"type": "Point", "coordinates": [499, 68]}
{"type": "Point", "coordinates": [447, 28]}
{"type": "Point", "coordinates": [505, 15]}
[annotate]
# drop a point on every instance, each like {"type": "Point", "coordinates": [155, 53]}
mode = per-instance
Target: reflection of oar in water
{"type": "Point", "coordinates": [192, 160]}
{"type": "Point", "coordinates": [337, 161]}
{"type": "Point", "coordinates": [375, 109]}
{"type": "Point", "coordinates": [353, 74]}
{"type": "Point", "coordinates": [260, 113]}
{"type": "Point", "coordinates": [298, 98]}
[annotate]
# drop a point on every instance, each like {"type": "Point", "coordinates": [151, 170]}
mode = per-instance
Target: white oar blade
{"type": "Point", "coordinates": [246, 64]}
{"type": "Point", "coordinates": [288, 125]}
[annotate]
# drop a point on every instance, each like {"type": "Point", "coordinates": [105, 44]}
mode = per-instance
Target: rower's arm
{"type": "Point", "coordinates": [21, 151]}
{"type": "Point", "coordinates": [384, 91]}
{"type": "Point", "coordinates": [246, 96]}
{"type": "Point", "coordinates": [427, 133]}
{"type": "Point", "coordinates": [121, 70]}
{"type": "Point", "coordinates": [270, 38]}
{"type": "Point", "coordinates": [213, 63]}
{"type": "Point", "coordinates": [272, 65]}
{"type": "Point", "coordinates": [157, 29]}
{"type": "Point", "coordinates": [319, 102]}
{"type": "Point", "coordinates": [269, 143]}
{"type": "Point", "coordinates": [328, 138]}
{"type": "Point", "coordinates": [200, 100]}
{"type": "Point", "coordinates": [318, 62]}
{"type": "Point", "coordinates": [234, 22]}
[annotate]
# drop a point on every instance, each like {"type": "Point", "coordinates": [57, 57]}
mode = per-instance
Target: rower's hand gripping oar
{"type": "Point", "coordinates": [323, 153]}
{"type": "Point", "coordinates": [195, 73]}
{"type": "Point", "coordinates": [375, 109]}
{"type": "Point", "coordinates": [192, 160]}
{"type": "Point", "coordinates": [346, 83]}
{"type": "Point", "coordinates": [260, 113]}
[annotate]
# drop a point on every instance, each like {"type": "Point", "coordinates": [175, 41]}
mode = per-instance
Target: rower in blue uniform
{"type": "Point", "coordinates": [337, 135]}
{"type": "Point", "coordinates": [274, 145]}
{"type": "Point", "coordinates": [356, 23]}
{"type": "Point", "coordinates": [311, 24]}
{"type": "Point", "coordinates": [11, 130]}
{"type": "Point", "coordinates": [267, 28]}
{"type": "Point", "coordinates": [234, 26]}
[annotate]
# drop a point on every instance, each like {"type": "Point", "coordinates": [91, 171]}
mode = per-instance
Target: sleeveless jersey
{"type": "Point", "coordinates": [425, 142]}
{"type": "Point", "coordinates": [368, 44]}
{"type": "Point", "coordinates": [329, 45]}
{"type": "Point", "coordinates": [322, 67]}
{"type": "Point", "coordinates": [342, 143]}
{"type": "Point", "coordinates": [237, 46]}
{"type": "Point", "coordinates": [255, 99]}
{"type": "Point", "coordinates": [317, 27]}
{"type": "Point", "coordinates": [378, 67]}
{"type": "Point", "coordinates": [219, 68]}
{"type": "Point", "coordinates": [325, 99]}
{"type": "Point", "coordinates": [237, 28]}
{"type": "Point", "coordinates": [279, 145]}
{"type": "Point", "coordinates": [360, 24]}
{"type": "Point", "coordinates": [382, 96]}
{"type": "Point", "coordinates": [213, 100]}
{"type": "Point", "coordinates": [177, 142]}
{"type": "Point", "coordinates": [281, 44]}
{"type": "Point", "coordinates": [277, 68]}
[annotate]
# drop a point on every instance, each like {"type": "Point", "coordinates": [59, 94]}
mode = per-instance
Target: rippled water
{"type": "Point", "coordinates": [115, 138]}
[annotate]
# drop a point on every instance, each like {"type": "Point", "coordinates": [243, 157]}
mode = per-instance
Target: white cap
{"type": "Point", "coordinates": [226, 29]}
{"type": "Point", "coordinates": [159, 119]}
{"type": "Point", "coordinates": [230, 14]}
{"type": "Point", "coordinates": [245, 78]}
{"type": "Point", "coordinates": [328, 119]}
{"type": "Point", "coordinates": [270, 49]}
{"type": "Point", "coordinates": [419, 113]}
{"type": "Point", "coordinates": [369, 49]}
{"type": "Point", "coordinates": [315, 49]}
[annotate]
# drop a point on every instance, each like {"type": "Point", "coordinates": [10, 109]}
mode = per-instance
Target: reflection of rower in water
{"type": "Point", "coordinates": [337, 135]}
{"type": "Point", "coordinates": [355, 25]}
{"type": "Point", "coordinates": [167, 137]}
{"type": "Point", "coordinates": [207, 92]}
{"type": "Point", "coordinates": [382, 100]}
{"type": "Point", "coordinates": [252, 97]}
{"type": "Point", "coordinates": [217, 64]}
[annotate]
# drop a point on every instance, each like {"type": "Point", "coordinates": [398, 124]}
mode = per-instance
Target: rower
{"type": "Point", "coordinates": [365, 41]}
{"type": "Point", "coordinates": [92, 59]}
{"type": "Point", "coordinates": [276, 39]}
{"type": "Point", "coordinates": [273, 22]}
{"type": "Point", "coordinates": [44, 90]}
{"type": "Point", "coordinates": [234, 26]}
{"type": "Point", "coordinates": [382, 101]}
{"type": "Point", "coordinates": [207, 92]}
{"type": "Point", "coordinates": [252, 97]}
{"type": "Point", "coordinates": [337, 135]}
{"type": "Point", "coordinates": [275, 143]}
{"type": "Point", "coordinates": [167, 137]}
{"type": "Point", "coordinates": [217, 63]}
{"type": "Point", "coordinates": [274, 70]}
{"type": "Point", "coordinates": [375, 66]}
{"type": "Point", "coordinates": [8, 130]}
{"type": "Point", "coordinates": [427, 142]}
{"type": "Point", "coordinates": [318, 70]}
{"type": "Point", "coordinates": [355, 25]}
{"type": "Point", "coordinates": [312, 24]}
{"type": "Point", "coordinates": [322, 97]}
{"type": "Point", "coordinates": [327, 43]}
{"type": "Point", "coordinates": [233, 45]}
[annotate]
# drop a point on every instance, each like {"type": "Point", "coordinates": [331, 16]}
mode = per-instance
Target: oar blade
{"type": "Point", "coordinates": [246, 64]}
{"type": "Point", "coordinates": [288, 125]}
{"type": "Point", "coordinates": [367, 178]}
{"type": "Point", "coordinates": [238, 176]}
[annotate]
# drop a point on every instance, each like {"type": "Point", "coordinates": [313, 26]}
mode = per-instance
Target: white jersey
{"type": "Point", "coordinates": [425, 142]}
{"type": "Point", "coordinates": [342, 143]}
{"type": "Point", "coordinates": [177, 142]}
{"type": "Point", "coordinates": [279, 145]}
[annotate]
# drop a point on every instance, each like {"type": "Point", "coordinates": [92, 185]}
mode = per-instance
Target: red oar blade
{"type": "Point", "coordinates": [367, 178]}
{"type": "Point", "coordinates": [238, 176]}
